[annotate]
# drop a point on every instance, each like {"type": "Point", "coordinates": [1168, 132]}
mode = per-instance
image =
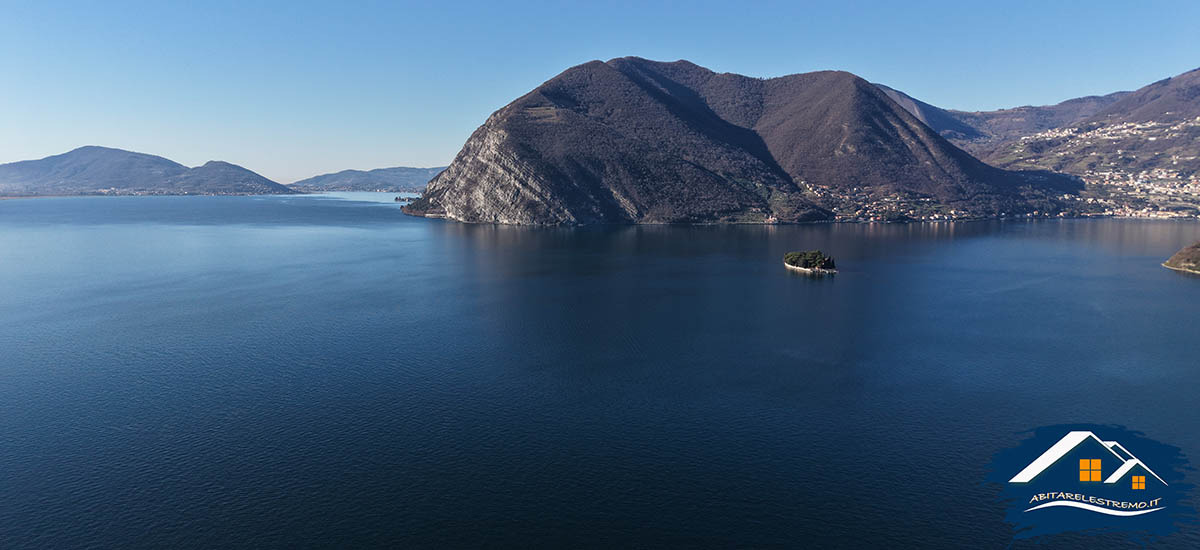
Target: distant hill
{"type": "Point", "coordinates": [1008, 124]}
{"type": "Point", "coordinates": [95, 170]}
{"type": "Point", "coordinates": [638, 141]}
{"type": "Point", "coordinates": [1175, 99]}
{"type": "Point", "coordinates": [381, 179]}
{"type": "Point", "coordinates": [947, 123]}
{"type": "Point", "coordinates": [979, 132]}
{"type": "Point", "coordinates": [222, 178]}
{"type": "Point", "coordinates": [1152, 132]}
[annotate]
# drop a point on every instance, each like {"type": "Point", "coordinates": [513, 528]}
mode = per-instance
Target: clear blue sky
{"type": "Point", "coordinates": [292, 89]}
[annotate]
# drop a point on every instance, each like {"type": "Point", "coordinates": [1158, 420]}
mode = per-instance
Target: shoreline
{"type": "Point", "coordinates": [97, 195]}
{"type": "Point", "coordinates": [815, 222]}
{"type": "Point", "coordinates": [1181, 269]}
{"type": "Point", "coordinates": [810, 270]}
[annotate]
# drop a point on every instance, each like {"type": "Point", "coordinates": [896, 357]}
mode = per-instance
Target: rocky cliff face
{"type": "Point", "coordinates": [507, 188]}
{"type": "Point", "coordinates": [637, 141]}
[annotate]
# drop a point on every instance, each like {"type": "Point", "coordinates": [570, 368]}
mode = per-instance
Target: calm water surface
{"type": "Point", "coordinates": [323, 371]}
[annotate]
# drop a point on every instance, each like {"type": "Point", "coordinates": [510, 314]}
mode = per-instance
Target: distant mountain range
{"type": "Point", "coordinates": [397, 179]}
{"type": "Point", "coordinates": [979, 131]}
{"type": "Point", "coordinates": [638, 141]}
{"type": "Point", "coordinates": [95, 170]}
{"type": "Point", "coordinates": [1127, 133]}
{"type": "Point", "coordinates": [1153, 132]}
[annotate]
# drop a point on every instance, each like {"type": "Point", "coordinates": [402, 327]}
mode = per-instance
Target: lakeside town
{"type": "Point", "coordinates": [1156, 194]}
{"type": "Point", "coordinates": [1131, 169]}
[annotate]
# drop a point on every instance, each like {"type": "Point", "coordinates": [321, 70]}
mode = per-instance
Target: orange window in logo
{"type": "Point", "coordinates": [1089, 469]}
{"type": "Point", "coordinates": [1139, 482]}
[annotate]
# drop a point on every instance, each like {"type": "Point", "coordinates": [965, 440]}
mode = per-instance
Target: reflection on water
{"type": "Point", "coordinates": [292, 371]}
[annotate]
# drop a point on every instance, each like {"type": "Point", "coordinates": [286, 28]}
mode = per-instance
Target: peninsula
{"type": "Point", "coordinates": [1186, 260]}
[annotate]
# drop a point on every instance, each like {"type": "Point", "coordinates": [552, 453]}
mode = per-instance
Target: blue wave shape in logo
{"type": "Point", "coordinates": [1092, 508]}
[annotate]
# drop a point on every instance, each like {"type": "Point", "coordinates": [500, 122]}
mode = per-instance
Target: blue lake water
{"type": "Point", "coordinates": [323, 371]}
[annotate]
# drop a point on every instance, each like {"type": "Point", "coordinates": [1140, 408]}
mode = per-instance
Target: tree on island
{"type": "Point", "coordinates": [810, 259]}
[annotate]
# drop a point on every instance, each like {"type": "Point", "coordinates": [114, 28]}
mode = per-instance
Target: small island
{"type": "Point", "coordinates": [1186, 260]}
{"type": "Point", "coordinates": [811, 262]}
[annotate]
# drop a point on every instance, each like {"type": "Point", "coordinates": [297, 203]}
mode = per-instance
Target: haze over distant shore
{"type": "Point", "coordinates": [638, 141]}
{"type": "Point", "coordinates": [398, 179]}
{"type": "Point", "coordinates": [94, 170]}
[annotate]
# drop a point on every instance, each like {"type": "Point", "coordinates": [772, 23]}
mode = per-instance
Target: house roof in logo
{"type": "Point", "coordinates": [1126, 467]}
{"type": "Point", "coordinates": [1119, 449]}
{"type": "Point", "coordinates": [1069, 442]}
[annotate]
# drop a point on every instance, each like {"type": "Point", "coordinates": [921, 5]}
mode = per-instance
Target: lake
{"type": "Point", "coordinates": [323, 371]}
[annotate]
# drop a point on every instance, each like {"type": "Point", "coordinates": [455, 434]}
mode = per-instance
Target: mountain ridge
{"type": "Point", "coordinates": [1138, 152]}
{"type": "Point", "coordinates": [96, 170]}
{"type": "Point", "coordinates": [1168, 100]}
{"type": "Point", "coordinates": [1150, 133]}
{"type": "Point", "coordinates": [394, 179]}
{"type": "Point", "coordinates": [978, 132]}
{"type": "Point", "coordinates": [637, 141]}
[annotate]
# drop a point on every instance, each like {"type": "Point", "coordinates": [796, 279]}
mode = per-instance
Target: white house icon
{"type": "Point", "coordinates": [1069, 442]}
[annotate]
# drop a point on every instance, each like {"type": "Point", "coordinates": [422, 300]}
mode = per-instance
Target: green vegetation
{"type": "Point", "coordinates": [810, 259]}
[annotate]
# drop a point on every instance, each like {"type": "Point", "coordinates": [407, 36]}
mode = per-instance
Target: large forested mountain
{"type": "Point", "coordinates": [638, 141]}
